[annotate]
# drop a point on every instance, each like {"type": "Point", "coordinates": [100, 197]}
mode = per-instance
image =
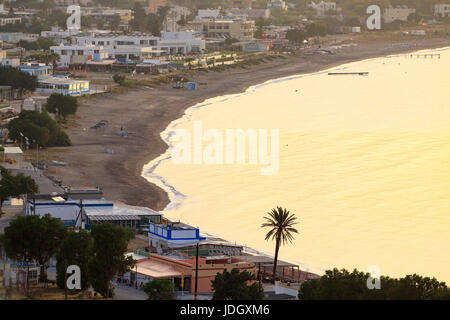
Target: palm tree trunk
{"type": "Point", "coordinates": [275, 260]}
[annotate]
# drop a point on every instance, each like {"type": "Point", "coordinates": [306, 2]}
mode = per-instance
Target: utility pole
{"type": "Point", "coordinates": [65, 280]}
{"type": "Point", "coordinates": [196, 273]}
{"type": "Point", "coordinates": [136, 277]}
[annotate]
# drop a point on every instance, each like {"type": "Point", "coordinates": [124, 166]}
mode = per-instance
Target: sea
{"type": "Point", "coordinates": [363, 162]}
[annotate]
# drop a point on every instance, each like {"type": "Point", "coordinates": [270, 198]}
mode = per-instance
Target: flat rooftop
{"type": "Point", "coordinates": [263, 260]}
{"type": "Point", "coordinates": [60, 80]}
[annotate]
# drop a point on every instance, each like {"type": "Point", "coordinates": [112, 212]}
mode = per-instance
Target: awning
{"type": "Point", "coordinates": [174, 243]}
{"type": "Point", "coordinates": [112, 217]}
{"type": "Point", "coordinates": [13, 150]}
{"type": "Point", "coordinates": [156, 269]}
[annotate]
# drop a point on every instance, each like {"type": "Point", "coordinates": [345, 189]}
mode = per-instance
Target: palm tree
{"type": "Point", "coordinates": [281, 223]}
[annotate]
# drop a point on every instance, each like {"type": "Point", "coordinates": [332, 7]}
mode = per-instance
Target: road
{"type": "Point", "coordinates": [128, 293]}
{"type": "Point", "coordinates": [9, 215]}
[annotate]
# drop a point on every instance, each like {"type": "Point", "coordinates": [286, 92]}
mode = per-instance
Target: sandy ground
{"type": "Point", "coordinates": [145, 112]}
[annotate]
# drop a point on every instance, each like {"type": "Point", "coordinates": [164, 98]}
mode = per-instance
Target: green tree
{"type": "Point", "coordinates": [108, 257]}
{"type": "Point", "coordinates": [15, 186]}
{"type": "Point", "coordinates": [33, 238]}
{"type": "Point", "coordinates": [235, 285]}
{"type": "Point", "coordinates": [316, 29]}
{"type": "Point", "coordinates": [45, 43]}
{"type": "Point", "coordinates": [281, 223]}
{"type": "Point", "coordinates": [75, 249]}
{"type": "Point", "coordinates": [159, 289]}
{"type": "Point", "coordinates": [63, 105]}
{"type": "Point", "coordinates": [17, 79]}
{"type": "Point", "coordinates": [39, 128]}
{"type": "Point", "coordinates": [295, 36]}
{"type": "Point", "coordinates": [344, 285]}
{"type": "Point", "coordinates": [115, 22]}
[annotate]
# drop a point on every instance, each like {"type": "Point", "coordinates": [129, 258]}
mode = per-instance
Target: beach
{"type": "Point", "coordinates": [146, 112]}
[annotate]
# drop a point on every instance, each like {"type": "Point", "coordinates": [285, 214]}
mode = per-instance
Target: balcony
{"type": "Point", "coordinates": [172, 235]}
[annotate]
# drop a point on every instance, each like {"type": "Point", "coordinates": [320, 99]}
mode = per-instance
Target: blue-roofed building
{"type": "Point", "coordinates": [172, 235]}
{"type": "Point", "coordinates": [40, 70]}
{"type": "Point", "coordinates": [85, 213]}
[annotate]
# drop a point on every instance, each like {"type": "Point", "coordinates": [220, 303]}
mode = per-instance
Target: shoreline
{"type": "Point", "coordinates": [147, 112]}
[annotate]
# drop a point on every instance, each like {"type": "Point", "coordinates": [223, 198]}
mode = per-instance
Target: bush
{"type": "Point", "coordinates": [120, 79]}
{"type": "Point", "coordinates": [159, 289]}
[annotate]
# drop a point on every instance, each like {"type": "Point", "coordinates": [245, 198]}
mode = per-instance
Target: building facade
{"type": "Point", "coordinates": [153, 5]}
{"type": "Point", "coordinates": [40, 70]}
{"type": "Point", "coordinates": [78, 54]}
{"type": "Point", "coordinates": [392, 14]}
{"type": "Point", "coordinates": [222, 28]}
{"type": "Point", "coordinates": [441, 10]}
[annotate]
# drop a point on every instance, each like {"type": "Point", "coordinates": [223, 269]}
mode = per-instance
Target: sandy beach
{"type": "Point", "coordinates": [145, 112]}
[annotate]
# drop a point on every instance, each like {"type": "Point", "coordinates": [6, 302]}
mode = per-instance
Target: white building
{"type": "Point", "coordinates": [15, 37]}
{"type": "Point", "coordinates": [251, 14]}
{"type": "Point", "coordinates": [442, 10]}
{"type": "Point", "coordinates": [78, 54]}
{"type": "Point", "coordinates": [323, 7]}
{"type": "Point", "coordinates": [63, 85]}
{"type": "Point", "coordinates": [180, 42]}
{"type": "Point", "coordinates": [207, 14]}
{"type": "Point", "coordinates": [2, 9]}
{"type": "Point", "coordinates": [7, 20]}
{"type": "Point", "coordinates": [175, 14]}
{"type": "Point", "coordinates": [392, 14]}
{"type": "Point", "coordinates": [13, 62]}
{"type": "Point", "coordinates": [126, 47]}
{"type": "Point", "coordinates": [277, 4]}
{"type": "Point", "coordinates": [40, 70]}
{"type": "Point", "coordinates": [58, 34]}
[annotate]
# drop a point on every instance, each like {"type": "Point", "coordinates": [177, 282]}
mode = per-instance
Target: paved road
{"type": "Point", "coordinates": [7, 217]}
{"type": "Point", "coordinates": [128, 293]}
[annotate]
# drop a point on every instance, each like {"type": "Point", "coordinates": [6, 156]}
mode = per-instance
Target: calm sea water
{"type": "Point", "coordinates": [364, 163]}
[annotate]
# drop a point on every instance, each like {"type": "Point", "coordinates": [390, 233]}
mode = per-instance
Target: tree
{"type": "Point", "coordinates": [61, 104]}
{"type": "Point", "coordinates": [159, 289]}
{"type": "Point", "coordinates": [15, 186]}
{"type": "Point", "coordinates": [296, 36]}
{"type": "Point", "coordinates": [316, 29]}
{"type": "Point", "coordinates": [343, 285]}
{"type": "Point", "coordinates": [75, 249]}
{"type": "Point", "coordinates": [108, 257]}
{"type": "Point", "coordinates": [33, 238]}
{"type": "Point", "coordinates": [115, 22]}
{"type": "Point", "coordinates": [17, 79]}
{"type": "Point", "coordinates": [51, 233]}
{"type": "Point", "coordinates": [38, 128]}
{"type": "Point", "coordinates": [281, 223]}
{"type": "Point", "coordinates": [235, 285]}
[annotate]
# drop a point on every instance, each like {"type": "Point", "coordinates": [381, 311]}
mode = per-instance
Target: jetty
{"type": "Point", "coordinates": [424, 55]}
{"type": "Point", "coordinates": [348, 73]}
